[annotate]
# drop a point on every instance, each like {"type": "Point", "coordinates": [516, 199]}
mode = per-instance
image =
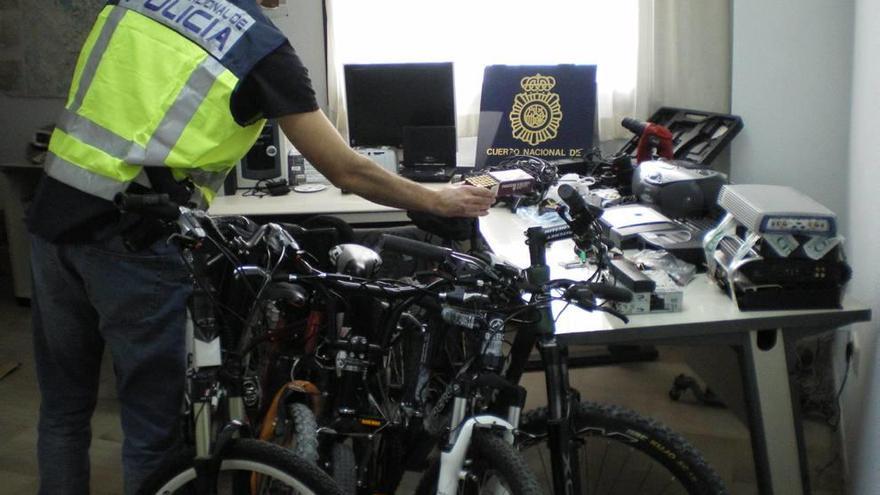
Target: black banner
{"type": "Point", "coordinates": [547, 111]}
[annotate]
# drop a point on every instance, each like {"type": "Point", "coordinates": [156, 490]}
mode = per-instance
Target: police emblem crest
{"type": "Point", "coordinates": [536, 114]}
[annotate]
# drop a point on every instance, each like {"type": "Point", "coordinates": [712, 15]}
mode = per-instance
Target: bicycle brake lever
{"type": "Point", "coordinates": [189, 224]}
{"type": "Point", "coordinates": [278, 238]}
{"type": "Point", "coordinates": [613, 312]}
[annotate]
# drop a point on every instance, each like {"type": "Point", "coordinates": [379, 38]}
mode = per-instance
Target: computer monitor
{"type": "Point", "coordinates": [382, 99]}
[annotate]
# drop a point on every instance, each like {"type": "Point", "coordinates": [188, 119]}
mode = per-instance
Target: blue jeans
{"type": "Point", "coordinates": [86, 296]}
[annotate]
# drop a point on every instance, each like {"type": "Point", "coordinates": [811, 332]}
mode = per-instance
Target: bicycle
{"type": "Point", "coordinates": [219, 456]}
{"type": "Point", "coordinates": [234, 315]}
{"type": "Point", "coordinates": [372, 421]}
{"type": "Point", "coordinates": [558, 440]}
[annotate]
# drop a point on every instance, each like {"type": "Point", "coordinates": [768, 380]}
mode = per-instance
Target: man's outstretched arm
{"type": "Point", "coordinates": [319, 142]}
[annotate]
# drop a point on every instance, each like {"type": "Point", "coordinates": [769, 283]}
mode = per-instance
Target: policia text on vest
{"type": "Point", "coordinates": [213, 24]}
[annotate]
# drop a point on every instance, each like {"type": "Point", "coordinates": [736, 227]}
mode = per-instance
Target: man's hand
{"type": "Point", "coordinates": [463, 201]}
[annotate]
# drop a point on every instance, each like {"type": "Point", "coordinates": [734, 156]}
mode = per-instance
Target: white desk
{"type": "Point", "coordinates": [349, 207]}
{"type": "Point", "coordinates": [766, 339]}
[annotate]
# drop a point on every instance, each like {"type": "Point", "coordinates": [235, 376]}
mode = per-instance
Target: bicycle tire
{"type": "Point", "coordinates": [343, 468]}
{"type": "Point", "coordinates": [305, 432]}
{"type": "Point", "coordinates": [611, 438]}
{"type": "Point", "coordinates": [240, 460]}
{"type": "Point", "coordinates": [487, 454]}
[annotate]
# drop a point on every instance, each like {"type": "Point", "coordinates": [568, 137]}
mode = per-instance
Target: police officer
{"type": "Point", "coordinates": [166, 96]}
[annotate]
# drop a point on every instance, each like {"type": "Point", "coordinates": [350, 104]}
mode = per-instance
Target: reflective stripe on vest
{"type": "Point", "coordinates": [82, 179]}
{"type": "Point", "coordinates": [98, 49]}
{"type": "Point", "coordinates": [207, 184]}
{"type": "Point", "coordinates": [101, 142]}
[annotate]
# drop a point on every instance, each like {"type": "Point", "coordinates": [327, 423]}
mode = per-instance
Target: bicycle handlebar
{"type": "Point", "coordinates": [582, 214]}
{"type": "Point", "coordinates": [154, 205]}
{"type": "Point", "coordinates": [415, 248]}
{"type": "Point", "coordinates": [610, 292]}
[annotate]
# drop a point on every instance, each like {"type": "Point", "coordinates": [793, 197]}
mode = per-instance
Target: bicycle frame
{"type": "Point", "coordinates": [563, 455]}
{"type": "Point", "coordinates": [206, 389]}
{"type": "Point", "coordinates": [453, 456]}
{"type": "Point", "coordinates": [462, 420]}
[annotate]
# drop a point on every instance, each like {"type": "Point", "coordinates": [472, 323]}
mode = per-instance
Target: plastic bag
{"type": "Point", "coordinates": [680, 271]}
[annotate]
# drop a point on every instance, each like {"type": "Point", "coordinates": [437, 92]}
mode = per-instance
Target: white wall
{"type": "Point", "coordinates": [791, 85]}
{"type": "Point", "coordinates": [806, 87]}
{"type": "Point", "coordinates": [861, 420]}
{"type": "Point", "coordinates": [304, 27]}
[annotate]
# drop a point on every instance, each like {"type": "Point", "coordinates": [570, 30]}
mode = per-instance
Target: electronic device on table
{"type": "Point", "coordinates": [622, 224]}
{"type": "Point", "coordinates": [776, 248]}
{"type": "Point", "coordinates": [697, 136]}
{"type": "Point", "coordinates": [679, 189]}
{"type": "Point", "coordinates": [654, 291]}
{"type": "Point", "coordinates": [684, 241]}
{"type": "Point", "coordinates": [641, 226]}
{"type": "Point", "coordinates": [384, 157]}
{"type": "Point", "coordinates": [694, 139]}
{"type": "Point", "coordinates": [266, 160]}
{"type": "Point", "coordinates": [408, 106]}
{"type": "Point", "coordinates": [504, 183]}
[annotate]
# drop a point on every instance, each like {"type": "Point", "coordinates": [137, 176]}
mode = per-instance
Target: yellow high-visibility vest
{"type": "Point", "coordinates": [152, 87]}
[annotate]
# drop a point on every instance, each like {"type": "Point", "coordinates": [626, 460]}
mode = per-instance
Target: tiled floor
{"type": "Point", "coordinates": [641, 386]}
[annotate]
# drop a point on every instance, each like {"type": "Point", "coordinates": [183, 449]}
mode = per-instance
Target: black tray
{"type": "Point", "coordinates": [697, 136]}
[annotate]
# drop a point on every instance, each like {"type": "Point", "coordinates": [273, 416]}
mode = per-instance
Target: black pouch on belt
{"type": "Point", "coordinates": [140, 232]}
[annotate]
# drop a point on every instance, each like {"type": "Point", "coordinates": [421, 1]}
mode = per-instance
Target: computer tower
{"type": "Point", "coordinates": [266, 160]}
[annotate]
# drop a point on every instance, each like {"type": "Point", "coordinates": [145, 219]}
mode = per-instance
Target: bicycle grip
{"type": "Point", "coordinates": [611, 292]}
{"type": "Point", "coordinates": [152, 205]}
{"type": "Point", "coordinates": [573, 200]}
{"type": "Point", "coordinates": [414, 248]}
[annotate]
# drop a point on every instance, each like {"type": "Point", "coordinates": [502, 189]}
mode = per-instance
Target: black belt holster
{"type": "Point", "coordinates": [140, 232]}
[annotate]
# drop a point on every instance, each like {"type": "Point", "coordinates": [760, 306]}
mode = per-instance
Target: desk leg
{"type": "Point", "coordinates": [769, 399]}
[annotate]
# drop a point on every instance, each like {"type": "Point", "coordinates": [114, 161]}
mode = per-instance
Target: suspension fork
{"type": "Point", "coordinates": [201, 392]}
{"type": "Point", "coordinates": [560, 432]}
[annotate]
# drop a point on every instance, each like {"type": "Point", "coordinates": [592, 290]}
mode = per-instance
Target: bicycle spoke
{"type": "Point", "coordinates": [645, 478]}
{"type": "Point", "coordinates": [601, 467]}
{"type": "Point", "coordinates": [668, 484]}
{"type": "Point", "coordinates": [586, 466]}
{"type": "Point", "coordinates": [619, 471]}
{"type": "Point", "coordinates": [548, 475]}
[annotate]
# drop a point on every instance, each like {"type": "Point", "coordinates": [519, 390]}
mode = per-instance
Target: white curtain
{"type": "Point", "coordinates": [622, 37]}
{"type": "Point", "coordinates": [684, 55]}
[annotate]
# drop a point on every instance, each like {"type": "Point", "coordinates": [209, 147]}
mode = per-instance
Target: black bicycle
{"type": "Point", "coordinates": [574, 446]}
{"type": "Point", "coordinates": [374, 363]}
{"type": "Point", "coordinates": [226, 309]}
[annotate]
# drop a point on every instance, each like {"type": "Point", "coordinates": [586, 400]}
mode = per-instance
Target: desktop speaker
{"type": "Point", "coordinates": [429, 146]}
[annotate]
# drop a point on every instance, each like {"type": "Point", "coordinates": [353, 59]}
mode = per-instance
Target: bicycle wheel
{"type": "Point", "coordinates": [493, 467]}
{"type": "Point", "coordinates": [304, 437]}
{"type": "Point", "coordinates": [344, 468]}
{"type": "Point", "coordinates": [247, 467]}
{"type": "Point", "coordinates": [621, 452]}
